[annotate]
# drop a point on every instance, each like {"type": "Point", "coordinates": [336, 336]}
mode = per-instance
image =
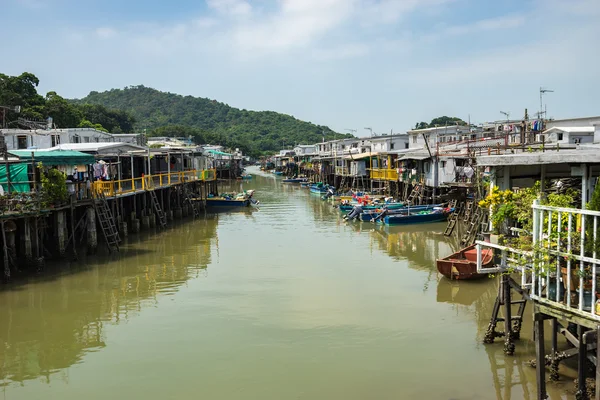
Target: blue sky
{"type": "Point", "coordinates": [384, 64]}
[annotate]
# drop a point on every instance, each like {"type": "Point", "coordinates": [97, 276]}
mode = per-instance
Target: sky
{"type": "Point", "coordinates": [347, 64]}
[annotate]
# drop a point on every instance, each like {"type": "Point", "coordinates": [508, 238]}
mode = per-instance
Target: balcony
{"type": "Point", "coordinates": [342, 171]}
{"type": "Point", "coordinates": [380, 174]}
{"type": "Point", "coordinates": [562, 259]}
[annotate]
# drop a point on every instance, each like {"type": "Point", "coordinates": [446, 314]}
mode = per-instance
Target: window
{"type": "Point", "coordinates": [577, 140]}
{"type": "Point", "coordinates": [560, 136]}
{"type": "Point", "coordinates": [21, 142]}
{"type": "Point", "coordinates": [76, 139]}
{"type": "Point", "coordinates": [392, 146]}
{"type": "Point", "coordinates": [86, 139]}
{"type": "Point", "coordinates": [414, 138]}
{"type": "Point", "coordinates": [96, 140]}
{"type": "Point", "coordinates": [443, 164]}
{"type": "Point", "coordinates": [406, 145]}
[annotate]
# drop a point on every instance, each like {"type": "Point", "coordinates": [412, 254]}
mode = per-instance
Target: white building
{"type": "Point", "coordinates": [387, 143]}
{"type": "Point", "coordinates": [21, 139]}
{"type": "Point", "coordinates": [304, 150]}
{"type": "Point", "coordinates": [441, 135]}
{"type": "Point", "coordinates": [568, 135]}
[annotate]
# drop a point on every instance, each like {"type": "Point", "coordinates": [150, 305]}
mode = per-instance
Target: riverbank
{"type": "Point", "coordinates": [288, 301]}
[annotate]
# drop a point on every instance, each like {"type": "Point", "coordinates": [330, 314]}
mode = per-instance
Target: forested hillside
{"type": "Point", "coordinates": [20, 93]}
{"type": "Point", "coordinates": [209, 121]}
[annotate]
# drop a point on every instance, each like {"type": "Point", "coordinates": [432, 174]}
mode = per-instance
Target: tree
{"type": "Point", "coordinates": [421, 125]}
{"type": "Point", "coordinates": [64, 114]}
{"type": "Point", "coordinates": [440, 121]}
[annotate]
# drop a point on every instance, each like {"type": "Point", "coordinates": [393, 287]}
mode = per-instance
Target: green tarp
{"type": "Point", "coordinates": [57, 157]}
{"type": "Point", "coordinates": [18, 178]}
{"type": "Point", "coordinates": [220, 153]}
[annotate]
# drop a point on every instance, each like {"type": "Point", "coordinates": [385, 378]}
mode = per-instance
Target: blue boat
{"type": "Point", "coordinates": [294, 180]}
{"type": "Point", "coordinates": [304, 184]}
{"type": "Point", "coordinates": [279, 173]}
{"type": "Point", "coordinates": [369, 215]}
{"type": "Point", "coordinates": [225, 201]}
{"type": "Point", "coordinates": [222, 202]}
{"type": "Point", "coordinates": [390, 206]}
{"type": "Point", "coordinates": [419, 217]}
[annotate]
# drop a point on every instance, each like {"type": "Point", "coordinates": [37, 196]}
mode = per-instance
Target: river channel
{"type": "Point", "coordinates": [287, 301]}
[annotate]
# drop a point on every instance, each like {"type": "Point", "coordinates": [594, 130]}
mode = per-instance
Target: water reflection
{"type": "Point", "coordinates": [50, 323]}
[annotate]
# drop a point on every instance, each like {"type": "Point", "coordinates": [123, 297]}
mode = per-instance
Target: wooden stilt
{"type": "Point", "coordinates": [581, 362]}
{"type": "Point", "coordinates": [540, 367]}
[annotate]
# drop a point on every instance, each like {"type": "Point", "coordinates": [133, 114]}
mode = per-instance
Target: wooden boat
{"type": "Point", "coordinates": [304, 184]}
{"type": "Point", "coordinates": [462, 265]}
{"type": "Point", "coordinates": [294, 180]}
{"type": "Point", "coordinates": [417, 217]}
{"type": "Point", "coordinates": [370, 214]}
{"type": "Point", "coordinates": [318, 188]}
{"type": "Point", "coordinates": [390, 206]}
{"type": "Point", "coordinates": [244, 177]}
{"type": "Point", "coordinates": [231, 201]}
{"type": "Point", "coordinates": [226, 202]}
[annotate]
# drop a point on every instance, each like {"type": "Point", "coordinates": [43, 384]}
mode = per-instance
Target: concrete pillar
{"type": "Point", "coordinates": [178, 213]}
{"type": "Point", "coordinates": [26, 238]}
{"type": "Point", "coordinates": [60, 219]}
{"type": "Point", "coordinates": [92, 234]}
{"type": "Point", "coordinates": [123, 229]}
{"type": "Point", "coordinates": [146, 222]}
{"type": "Point", "coordinates": [152, 220]}
{"type": "Point", "coordinates": [135, 225]}
{"type": "Point", "coordinates": [169, 215]}
{"type": "Point", "coordinates": [133, 216]}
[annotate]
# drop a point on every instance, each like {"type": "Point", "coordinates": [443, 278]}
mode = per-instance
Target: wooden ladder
{"type": "Point", "coordinates": [188, 197]}
{"type": "Point", "coordinates": [162, 218]}
{"type": "Point", "coordinates": [474, 225]}
{"type": "Point", "coordinates": [453, 218]}
{"type": "Point", "coordinates": [415, 192]}
{"type": "Point", "coordinates": [468, 211]}
{"type": "Point", "coordinates": [107, 222]}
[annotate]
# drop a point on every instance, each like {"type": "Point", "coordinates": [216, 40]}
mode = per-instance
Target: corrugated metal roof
{"type": "Point", "coordinates": [64, 157]}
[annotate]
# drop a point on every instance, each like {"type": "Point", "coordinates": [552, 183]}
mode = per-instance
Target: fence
{"type": "Point", "coordinates": [384, 174]}
{"type": "Point", "coordinates": [560, 270]}
{"type": "Point", "coordinates": [148, 182]}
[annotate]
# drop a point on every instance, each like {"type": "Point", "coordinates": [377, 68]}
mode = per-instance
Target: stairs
{"type": "Point", "coordinates": [162, 218]}
{"type": "Point", "coordinates": [107, 223]}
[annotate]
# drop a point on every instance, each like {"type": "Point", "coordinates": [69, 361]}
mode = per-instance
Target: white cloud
{"type": "Point", "coordinates": [230, 7]}
{"type": "Point", "coordinates": [106, 33]}
{"type": "Point", "coordinates": [491, 24]}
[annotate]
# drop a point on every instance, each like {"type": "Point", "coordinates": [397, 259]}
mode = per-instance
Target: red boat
{"type": "Point", "coordinates": [462, 265]}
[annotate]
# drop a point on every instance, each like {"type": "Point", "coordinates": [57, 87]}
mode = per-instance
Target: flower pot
{"type": "Point", "coordinates": [552, 291]}
{"type": "Point", "coordinates": [587, 299]}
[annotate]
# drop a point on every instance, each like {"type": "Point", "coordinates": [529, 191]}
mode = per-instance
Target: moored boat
{"type": "Point", "coordinates": [294, 180]}
{"type": "Point", "coordinates": [370, 214]}
{"type": "Point", "coordinates": [231, 200]}
{"type": "Point", "coordinates": [278, 173]}
{"type": "Point", "coordinates": [417, 217]}
{"type": "Point", "coordinates": [462, 265]}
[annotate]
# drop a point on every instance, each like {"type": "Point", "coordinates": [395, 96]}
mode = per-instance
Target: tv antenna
{"type": "Point", "coordinates": [542, 92]}
{"type": "Point", "coordinates": [506, 114]}
{"type": "Point", "coordinates": [352, 131]}
{"type": "Point", "coordinates": [371, 130]}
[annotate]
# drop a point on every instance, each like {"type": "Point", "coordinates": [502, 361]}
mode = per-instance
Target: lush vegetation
{"type": "Point", "coordinates": [209, 121]}
{"type": "Point", "coordinates": [440, 121]}
{"type": "Point", "coordinates": [22, 91]}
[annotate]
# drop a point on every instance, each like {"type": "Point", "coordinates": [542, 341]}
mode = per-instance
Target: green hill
{"type": "Point", "coordinates": [209, 121]}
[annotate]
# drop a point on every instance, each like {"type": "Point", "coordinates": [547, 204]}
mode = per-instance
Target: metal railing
{"type": "Point", "coordinates": [148, 182]}
{"type": "Point", "coordinates": [342, 171]}
{"type": "Point", "coordinates": [562, 267]}
{"type": "Point", "coordinates": [384, 174]}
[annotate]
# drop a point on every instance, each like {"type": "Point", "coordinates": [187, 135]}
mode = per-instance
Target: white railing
{"type": "Point", "coordinates": [561, 268]}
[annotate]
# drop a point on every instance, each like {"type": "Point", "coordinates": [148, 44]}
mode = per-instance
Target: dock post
{"type": "Point", "coordinates": [6, 259]}
{"type": "Point", "coordinates": [92, 235]}
{"type": "Point", "coordinates": [178, 213]}
{"type": "Point", "coordinates": [123, 229]}
{"type": "Point", "coordinates": [509, 346]}
{"type": "Point", "coordinates": [27, 244]}
{"type": "Point", "coordinates": [145, 221]}
{"type": "Point", "coordinates": [597, 367]}
{"type": "Point", "coordinates": [581, 364]}
{"type": "Point", "coordinates": [169, 215]}
{"type": "Point", "coordinates": [61, 239]}
{"type": "Point", "coordinates": [152, 219]}
{"type": "Point", "coordinates": [540, 366]}
{"type": "Point", "coordinates": [135, 225]}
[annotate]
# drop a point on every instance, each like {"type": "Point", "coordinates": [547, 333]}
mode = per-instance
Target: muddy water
{"type": "Point", "coordinates": [284, 302]}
